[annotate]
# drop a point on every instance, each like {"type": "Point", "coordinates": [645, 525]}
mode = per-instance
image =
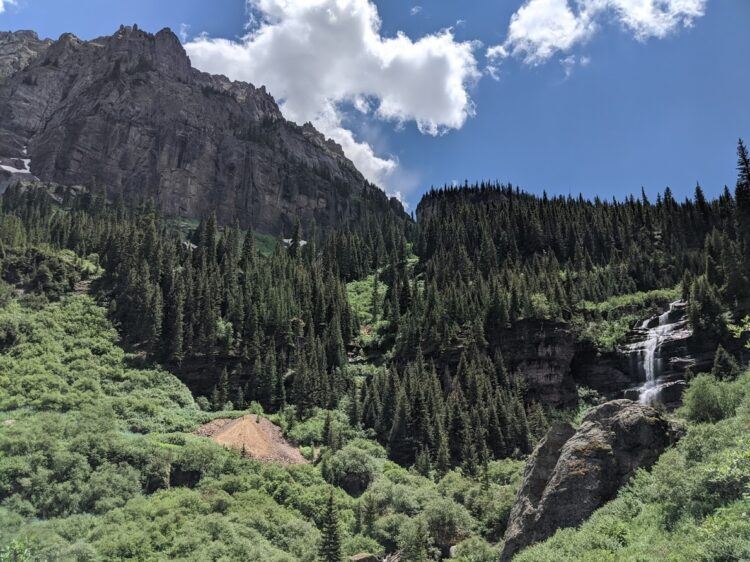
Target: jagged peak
{"type": "Point", "coordinates": [21, 34]}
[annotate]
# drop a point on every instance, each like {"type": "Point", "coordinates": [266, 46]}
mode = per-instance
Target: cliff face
{"type": "Point", "coordinates": [541, 352]}
{"type": "Point", "coordinates": [128, 113]}
{"type": "Point", "coordinates": [17, 50]}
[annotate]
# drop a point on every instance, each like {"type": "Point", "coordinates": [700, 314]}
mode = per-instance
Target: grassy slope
{"type": "Point", "coordinates": [84, 438]}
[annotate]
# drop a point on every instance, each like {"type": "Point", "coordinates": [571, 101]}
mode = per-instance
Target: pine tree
{"type": "Point", "coordinates": [422, 463]}
{"type": "Point", "coordinates": [176, 328]}
{"type": "Point", "coordinates": [279, 391]}
{"type": "Point", "coordinates": [725, 366]}
{"type": "Point", "coordinates": [330, 544]}
{"type": "Point", "coordinates": [223, 389]}
{"type": "Point", "coordinates": [742, 200]}
{"type": "Point", "coordinates": [239, 401]}
{"type": "Point", "coordinates": [354, 405]}
{"type": "Point", "coordinates": [369, 512]}
{"type": "Point", "coordinates": [375, 299]}
{"type": "Point", "coordinates": [400, 443]}
{"type": "Point", "coordinates": [295, 244]}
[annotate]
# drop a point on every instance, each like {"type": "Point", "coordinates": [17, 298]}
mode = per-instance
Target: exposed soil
{"type": "Point", "coordinates": [256, 436]}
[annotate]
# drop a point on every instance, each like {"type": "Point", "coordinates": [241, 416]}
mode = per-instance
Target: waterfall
{"type": "Point", "coordinates": [649, 392]}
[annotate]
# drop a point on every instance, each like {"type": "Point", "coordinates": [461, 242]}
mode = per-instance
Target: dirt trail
{"type": "Point", "coordinates": [260, 439]}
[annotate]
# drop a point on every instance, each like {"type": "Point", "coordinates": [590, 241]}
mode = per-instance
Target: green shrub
{"type": "Point", "coordinates": [351, 468]}
{"type": "Point", "coordinates": [709, 400]}
{"type": "Point", "coordinates": [476, 549]}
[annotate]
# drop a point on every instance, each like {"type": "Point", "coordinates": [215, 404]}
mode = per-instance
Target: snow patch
{"type": "Point", "coordinates": [12, 170]}
{"type": "Point", "coordinates": [25, 162]}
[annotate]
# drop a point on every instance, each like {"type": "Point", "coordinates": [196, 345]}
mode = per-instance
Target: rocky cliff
{"type": "Point", "coordinates": [129, 114]}
{"type": "Point", "coordinates": [18, 49]}
{"type": "Point", "coordinates": [541, 353]}
{"type": "Point", "coordinates": [571, 473]}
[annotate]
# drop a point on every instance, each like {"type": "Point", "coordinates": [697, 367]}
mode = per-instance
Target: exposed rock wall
{"type": "Point", "coordinates": [18, 49]}
{"type": "Point", "coordinates": [541, 353]}
{"type": "Point", "coordinates": [571, 473]}
{"type": "Point", "coordinates": [128, 113]}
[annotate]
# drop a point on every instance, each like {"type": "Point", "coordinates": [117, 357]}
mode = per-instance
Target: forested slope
{"type": "Point", "coordinates": [97, 462]}
{"type": "Point", "coordinates": [408, 362]}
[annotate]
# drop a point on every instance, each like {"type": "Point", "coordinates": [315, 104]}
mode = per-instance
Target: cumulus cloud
{"type": "Point", "coordinates": [542, 28]}
{"type": "Point", "coordinates": [315, 56]}
{"type": "Point", "coordinates": [4, 3]}
{"type": "Point", "coordinates": [415, 10]}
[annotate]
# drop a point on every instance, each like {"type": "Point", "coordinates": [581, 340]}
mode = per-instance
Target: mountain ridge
{"type": "Point", "coordinates": [129, 114]}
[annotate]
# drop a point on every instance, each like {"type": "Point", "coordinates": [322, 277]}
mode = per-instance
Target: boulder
{"type": "Point", "coordinates": [571, 473]}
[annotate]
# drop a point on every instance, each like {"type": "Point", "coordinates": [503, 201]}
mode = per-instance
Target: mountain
{"type": "Point", "coordinates": [17, 49]}
{"type": "Point", "coordinates": [129, 114]}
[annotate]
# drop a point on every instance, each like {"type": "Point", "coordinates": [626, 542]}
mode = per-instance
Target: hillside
{"type": "Point", "coordinates": [693, 504]}
{"type": "Point", "coordinates": [99, 463]}
{"type": "Point", "coordinates": [127, 114]}
{"type": "Point", "coordinates": [447, 382]}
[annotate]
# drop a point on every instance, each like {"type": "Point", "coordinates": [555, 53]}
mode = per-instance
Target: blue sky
{"type": "Point", "coordinates": [638, 103]}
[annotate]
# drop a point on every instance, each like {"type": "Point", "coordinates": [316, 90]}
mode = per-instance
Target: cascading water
{"type": "Point", "coordinates": [649, 392]}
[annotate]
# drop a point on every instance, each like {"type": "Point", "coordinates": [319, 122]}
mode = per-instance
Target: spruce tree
{"type": "Point", "coordinates": [223, 389]}
{"type": "Point", "coordinates": [725, 366]}
{"type": "Point", "coordinates": [330, 543]}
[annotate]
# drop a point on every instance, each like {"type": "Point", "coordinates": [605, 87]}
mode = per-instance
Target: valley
{"type": "Point", "coordinates": [219, 341]}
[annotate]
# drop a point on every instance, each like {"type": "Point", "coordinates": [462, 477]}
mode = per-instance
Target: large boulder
{"type": "Point", "coordinates": [572, 473]}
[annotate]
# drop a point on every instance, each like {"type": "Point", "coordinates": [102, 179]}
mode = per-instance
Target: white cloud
{"type": "Point", "coordinates": [415, 10]}
{"type": "Point", "coordinates": [316, 55]}
{"type": "Point", "coordinates": [542, 28]}
{"type": "Point", "coordinates": [570, 62]}
{"type": "Point", "coordinates": [184, 32]}
{"type": "Point", "coordinates": [5, 3]}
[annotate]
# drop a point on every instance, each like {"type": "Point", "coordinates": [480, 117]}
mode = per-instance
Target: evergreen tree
{"type": "Point", "coordinates": [222, 387]}
{"type": "Point", "coordinates": [725, 367]}
{"type": "Point", "coordinates": [330, 544]}
{"type": "Point", "coordinates": [400, 444]}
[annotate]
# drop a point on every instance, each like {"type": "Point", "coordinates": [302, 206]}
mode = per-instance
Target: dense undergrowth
{"type": "Point", "coordinates": [97, 462]}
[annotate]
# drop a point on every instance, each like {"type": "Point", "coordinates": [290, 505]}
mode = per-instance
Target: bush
{"type": "Point", "coordinates": [448, 522]}
{"type": "Point", "coordinates": [725, 367]}
{"type": "Point", "coordinates": [350, 468]}
{"type": "Point", "coordinates": [709, 400]}
{"type": "Point", "coordinates": [476, 549]}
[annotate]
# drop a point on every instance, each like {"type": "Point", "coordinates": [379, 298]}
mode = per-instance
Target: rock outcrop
{"type": "Point", "coordinates": [129, 114]}
{"type": "Point", "coordinates": [572, 473]}
{"type": "Point", "coordinates": [18, 49]}
{"type": "Point", "coordinates": [541, 353]}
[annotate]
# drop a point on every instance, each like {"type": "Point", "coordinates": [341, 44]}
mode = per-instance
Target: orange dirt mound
{"type": "Point", "coordinates": [260, 439]}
